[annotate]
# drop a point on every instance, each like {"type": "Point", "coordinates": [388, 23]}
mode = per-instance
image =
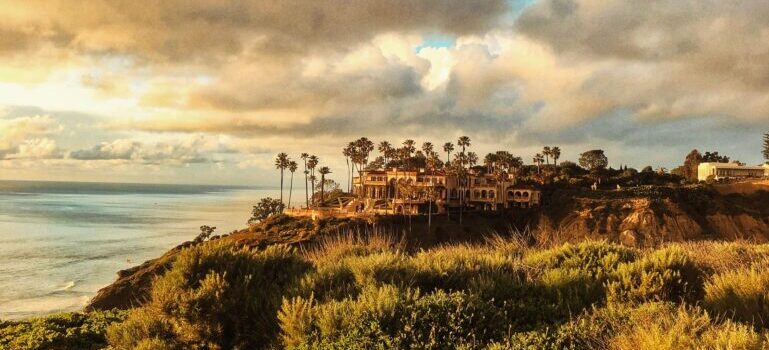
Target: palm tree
{"type": "Point", "coordinates": [546, 152]}
{"type": "Point", "coordinates": [490, 161]}
{"type": "Point", "coordinates": [292, 166]}
{"type": "Point", "coordinates": [448, 147]}
{"type": "Point", "coordinates": [323, 172]}
{"type": "Point", "coordinates": [432, 161]}
{"type": "Point", "coordinates": [427, 149]}
{"type": "Point", "coordinates": [312, 162]}
{"type": "Point", "coordinates": [409, 147]}
{"type": "Point", "coordinates": [472, 159]}
{"type": "Point", "coordinates": [385, 148]}
{"type": "Point", "coordinates": [304, 157]}
{"type": "Point", "coordinates": [463, 142]}
{"type": "Point", "coordinates": [347, 152]}
{"type": "Point", "coordinates": [555, 152]}
{"type": "Point", "coordinates": [387, 153]}
{"type": "Point", "coordinates": [281, 163]}
{"type": "Point", "coordinates": [538, 159]}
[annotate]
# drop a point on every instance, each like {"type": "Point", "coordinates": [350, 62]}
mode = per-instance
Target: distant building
{"type": "Point", "coordinates": [720, 171]}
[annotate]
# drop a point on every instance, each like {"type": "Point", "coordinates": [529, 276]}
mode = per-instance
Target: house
{"type": "Point", "coordinates": [719, 171]}
{"type": "Point", "coordinates": [416, 191]}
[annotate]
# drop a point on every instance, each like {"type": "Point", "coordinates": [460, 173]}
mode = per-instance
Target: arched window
{"type": "Point", "coordinates": [477, 194]}
{"type": "Point", "coordinates": [483, 194]}
{"type": "Point", "coordinates": [510, 194]}
{"type": "Point", "coordinates": [525, 194]}
{"type": "Point", "coordinates": [491, 194]}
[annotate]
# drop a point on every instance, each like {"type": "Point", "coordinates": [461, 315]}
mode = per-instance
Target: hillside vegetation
{"type": "Point", "coordinates": [374, 292]}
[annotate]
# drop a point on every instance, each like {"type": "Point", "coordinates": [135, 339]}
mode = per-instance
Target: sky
{"type": "Point", "coordinates": [208, 91]}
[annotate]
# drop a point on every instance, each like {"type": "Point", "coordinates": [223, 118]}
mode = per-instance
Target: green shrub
{"type": "Point", "coordinates": [662, 275]}
{"type": "Point", "coordinates": [215, 296]}
{"type": "Point", "coordinates": [659, 326]}
{"type": "Point", "coordinates": [461, 267]}
{"type": "Point", "coordinates": [741, 294]}
{"type": "Point", "coordinates": [59, 332]}
{"type": "Point", "coordinates": [381, 268]}
{"type": "Point", "coordinates": [570, 291]}
{"type": "Point", "coordinates": [391, 318]}
{"type": "Point", "coordinates": [595, 258]}
{"type": "Point", "coordinates": [331, 281]}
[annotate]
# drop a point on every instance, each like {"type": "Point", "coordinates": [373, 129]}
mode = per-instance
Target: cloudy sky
{"type": "Point", "coordinates": [207, 91]}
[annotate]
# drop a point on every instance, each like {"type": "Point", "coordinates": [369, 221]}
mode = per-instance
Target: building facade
{"type": "Point", "coordinates": [418, 191]}
{"type": "Point", "coordinates": [720, 171]}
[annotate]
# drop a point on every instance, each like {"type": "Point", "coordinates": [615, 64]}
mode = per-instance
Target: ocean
{"type": "Point", "coordinates": [60, 242]}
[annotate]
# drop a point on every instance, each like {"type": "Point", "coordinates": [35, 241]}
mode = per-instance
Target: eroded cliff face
{"type": "Point", "coordinates": [647, 221]}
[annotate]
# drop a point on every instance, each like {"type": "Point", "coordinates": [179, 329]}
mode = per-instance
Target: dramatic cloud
{"type": "Point", "coordinates": [663, 59]}
{"type": "Point", "coordinates": [201, 83]}
{"type": "Point", "coordinates": [209, 29]}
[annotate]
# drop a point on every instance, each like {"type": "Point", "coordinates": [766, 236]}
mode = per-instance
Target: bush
{"type": "Point", "coordinates": [59, 332]}
{"type": "Point", "coordinates": [594, 258]}
{"type": "Point", "coordinates": [457, 268]}
{"type": "Point", "coordinates": [741, 294]}
{"type": "Point", "coordinates": [215, 296]}
{"type": "Point", "coordinates": [659, 326]}
{"type": "Point", "coordinates": [663, 275]}
{"type": "Point", "coordinates": [391, 318]}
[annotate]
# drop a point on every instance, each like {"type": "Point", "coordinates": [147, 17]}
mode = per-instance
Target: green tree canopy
{"type": "Point", "coordinates": [593, 160]}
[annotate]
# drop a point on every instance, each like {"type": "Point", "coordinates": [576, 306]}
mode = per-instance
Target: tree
{"type": "Point", "coordinates": [386, 149]}
{"type": "Point", "coordinates": [593, 160]}
{"type": "Point", "coordinates": [205, 233]}
{"type": "Point", "coordinates": [691, 163]}
{"type": "Point", "coordinates": [347, 153]}
{"type": "Point", "coordinates": [292, 166]}
{"type": "Point", "coordinates": [323, 172]}
{"type": "Point", "coordinates": [448, 147]}
{"type": "Point", "coordinates": [546, 151]}
{"type": "Point", "coordinates": [538, 159]}
{"type": "Point", "coordinates": [463, 142]}
{"type": "Point", "coordinates": [362, 148]}
{"type": "Point", "coordinates": [281, 163]}
{"type": "Point", "coordinates": [714, 157]}
{"type": "Point", "coordinates": [265, 208]}
{"type": "Point", "coordinates": [490, 161]}
{"type": "Point", "coordinates": [555, 152]}
{"type": "Point", "coordinates": [766, 146]}
{"type": "Point", "coordinates": [304, 157]}
{"type": "Point", "coordinates": [312, 162]}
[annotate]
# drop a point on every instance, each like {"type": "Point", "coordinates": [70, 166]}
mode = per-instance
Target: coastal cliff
{"type": "Point", "coordinates": [640, 217]}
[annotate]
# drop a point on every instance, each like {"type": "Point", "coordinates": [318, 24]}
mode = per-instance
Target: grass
{"type": "Point", "coordinates": [371, 291]}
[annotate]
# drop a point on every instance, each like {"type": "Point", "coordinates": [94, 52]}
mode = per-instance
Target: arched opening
{"type": "Point", "coordinates": [483, 194]}
{"type": "Point", "coordinates": [525, 194]}
{"type": "Point", "coordinates": [491, 194]}
{"type": "Point", "coordinates": [399, 210]}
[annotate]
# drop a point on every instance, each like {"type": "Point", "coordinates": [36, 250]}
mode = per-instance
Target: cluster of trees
{"type": "Point", "coordinates": [283, 162]}
{"type": "Point", "coordinates": [765, 151]}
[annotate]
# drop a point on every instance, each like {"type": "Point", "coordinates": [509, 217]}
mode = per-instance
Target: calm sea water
{"type": "Point", "coordinates": [61, 242]}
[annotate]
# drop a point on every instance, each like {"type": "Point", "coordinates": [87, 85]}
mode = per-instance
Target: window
{"type": "Point", "coordinates": [491, 194]}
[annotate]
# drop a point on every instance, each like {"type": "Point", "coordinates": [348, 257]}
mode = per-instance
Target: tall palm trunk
{"type": "Point", "coordinates": [349, 178]}
{"type": "Point", "coordinates": [306, 192]}
{"type": "Point", "coordinates": [322, 186]}
{"type": "Point", "coordinates": [281, 187]}
{"type": "Point", "coordinates": [291, 189]}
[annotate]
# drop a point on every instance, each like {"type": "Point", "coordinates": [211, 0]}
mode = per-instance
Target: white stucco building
{"type": "Point", "coordinates": [730, 171]}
